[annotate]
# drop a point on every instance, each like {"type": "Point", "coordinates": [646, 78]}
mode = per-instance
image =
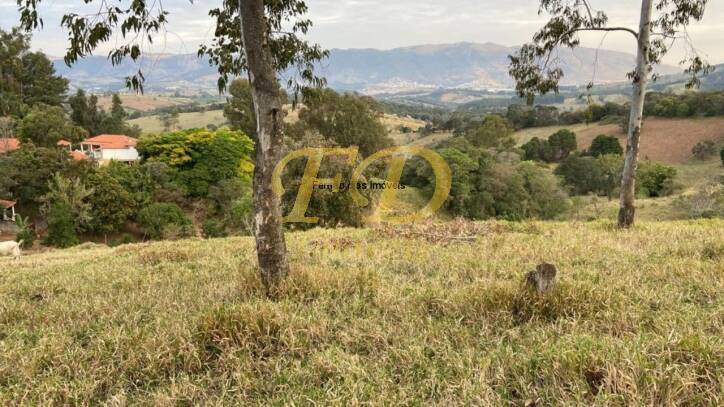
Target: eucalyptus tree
{"type": "Point", "coordinates": [661, 23]}
{"type": "Point", "coordinates": [259, 38]}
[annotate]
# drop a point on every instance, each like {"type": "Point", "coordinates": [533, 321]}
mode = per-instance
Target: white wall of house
{"type": "Point", "coordinates": [126, 154]}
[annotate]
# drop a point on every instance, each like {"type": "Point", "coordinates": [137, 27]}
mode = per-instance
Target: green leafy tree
{"type": "Point", "coordinates": [232, 204]}
{"type": "Point", "coordinates": [110, 204]}
{"type": "Point", "coordinates": [86, 113]}
{"type": "Point", "coordinates": [603, 144]}
{"type": "Point", "coordinates": [464, 170]}
{"type": "Point", "coordinates": [346, 119]}
{"type": "Point", "coordinates": [140, 181]}
{"type": "Point", "coordinates": [157, 218]}
{"type": "Point", "coordinates": [201, 158]}
{"type": "Point", "coordinates": [562, 143]}
{"type": "Point", "coordinates": [26, 78]}
{"type": "Point", "coordinates": [62, 226]}
{"type": "Point", "coordinates": [534, 68]}
{"type": "Point", "coordinates": [73, 194]}
{"type": "Point", "coordinates": [494, 132]}
{"type": "Point", "coordinates": [239, 108]}
{"type": "Point", "coordinates": [26, 171]}
{"type": "Point", "coordinates": [46, 125]}
{"type": "Point", "coordinates": [532, 150]}
{"type": "Point", "coordinates": [558, 147]}
{"type": "Point", "coordinates": [655, 179]}
{"type": "Point", "coordinates": [610, 167]}
{"type": "Point", "coordinates": [582, 174]}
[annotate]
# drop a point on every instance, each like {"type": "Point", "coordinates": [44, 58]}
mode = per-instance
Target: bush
{"type": "Point", "coordinates": [125, 238]}
{"type": "Point", "coordinates": [213, 228]}
{"type": "Point", "coordinates": [586, 174]}
{"type": "Point", "coordinates": [25, 234]}
{"type": "Point", "coordinates": [603, 144]}
{"type": "Point", "coordinates": [582, 174]}
{"type": "Point", "coordinates": [61, 226]}
{"type": "Point", "coordinates": [160, 220]}
{"type": "Point", "coordinates": [704, 149]}
{"type": "Point", "coordinates": [707, 202]}
{"type": "Point", "coordinates": [654, 179]}
{"type": "Point", "coordinates": [721, 155]}
{"type": "Point", "coordinates": [111, 204]}
{"type": "Point", "coordinates": [515, 191]}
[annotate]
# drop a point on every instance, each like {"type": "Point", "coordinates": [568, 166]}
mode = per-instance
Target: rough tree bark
{"type": "Point", "coordinates": [641, 76]}
{"type": "Point", "coordinates": [270, 245]}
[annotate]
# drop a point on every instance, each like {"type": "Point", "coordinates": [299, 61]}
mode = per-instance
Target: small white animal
{"type": "Point", "coordinates": [10, 248]}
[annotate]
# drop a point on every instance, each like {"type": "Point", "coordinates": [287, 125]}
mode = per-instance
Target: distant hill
{"type": "Point", "coordinates": [373, 71]}
{"type": "Point", "coordinates": [461, 66]}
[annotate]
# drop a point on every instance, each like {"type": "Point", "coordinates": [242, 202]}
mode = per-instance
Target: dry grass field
{"type": "Point", "coordinates": [143, 102]}
{"type": "Point", "coordinates": [383, 317]}
{"type": "Point", "coordinates": [152, 124]}
{"type": "Point", "coordinates": [665, 140]}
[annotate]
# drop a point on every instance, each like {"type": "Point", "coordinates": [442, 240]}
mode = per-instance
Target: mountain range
{"type": "Point", "coordinates": [372, 71]}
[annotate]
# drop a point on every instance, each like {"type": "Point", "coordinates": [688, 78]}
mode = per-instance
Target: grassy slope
{"type": "Point", "coordinates": [148, 101]}
{"type": "Point", "coordinates": [151, 124]}
{"type": "Point", "coordinates": [636, 319]}
{"type": "Point", "coordinates": [691, 177]}
{"type": "Point", "coordinates": [665, 140]}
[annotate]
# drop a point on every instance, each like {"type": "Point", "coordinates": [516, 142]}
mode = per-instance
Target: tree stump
{"type": "Point", "coordinates": [542, 279]}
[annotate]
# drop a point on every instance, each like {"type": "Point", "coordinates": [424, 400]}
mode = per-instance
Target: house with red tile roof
{"type": "Point", "coordinates": [110, 147]}
{"type": "Point", "coordinates": [8, 144]}
{"type": "Point", "coordinates": [76, 154]}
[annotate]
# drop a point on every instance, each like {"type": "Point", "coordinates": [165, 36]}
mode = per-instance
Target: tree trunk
{"type": "Point", "coordinates": [270, 245]}
{"type": "Point", "coordinates": [628, 179]}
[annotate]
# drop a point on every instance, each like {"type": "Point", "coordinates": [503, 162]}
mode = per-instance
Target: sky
{"type": "Point", "coordinates": [386, 24]}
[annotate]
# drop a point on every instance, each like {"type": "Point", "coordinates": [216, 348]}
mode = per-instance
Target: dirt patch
{"type": "Point", "coordinates": [665, 140]}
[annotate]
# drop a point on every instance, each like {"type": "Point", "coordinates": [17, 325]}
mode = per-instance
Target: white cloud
{"type": "Point", "coordinates": [389, 24]}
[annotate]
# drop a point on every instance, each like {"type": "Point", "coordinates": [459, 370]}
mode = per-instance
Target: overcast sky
{"type": "Point", "coordinates": [390, 23]}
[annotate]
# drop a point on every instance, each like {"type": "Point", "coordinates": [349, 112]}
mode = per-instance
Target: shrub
{"type": "Point", "coordinates": [704, 149]}
{"type": "Point", "coordinates": [532, 149]}
{"type": "Point", "coordinates": [111, 204]}
{"type": "Point", "coordinates": [654, 179]}
{"type": "Point", "coordinates": [61, 226]}
{"type": "Point", "coordinates": [582, 174]}
{"type": "Point", "coordinates": [161, 219]}
{"type": "Point", "coordinates": [603, 144]}
{"type": "Point", "coordinates": [213, 228]}
{"type": "Point", "coordinates": [586, 174]}
{"type": "Point", "coordinates": [125, 238]}
{"type": "Point", "coordinates": [493, 132]}
{"type": "Point", "coordinates": [721, 155]}
{"type": "Point", "coordinates": [707, 202]}
{"type": "Point", "coordinates": [25, 234]}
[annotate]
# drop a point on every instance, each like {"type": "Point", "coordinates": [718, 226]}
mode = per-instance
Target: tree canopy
{"type": "Point", "coordinates": [200, 157]}
{"type": "Point", "coordinates": [26, 78]}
